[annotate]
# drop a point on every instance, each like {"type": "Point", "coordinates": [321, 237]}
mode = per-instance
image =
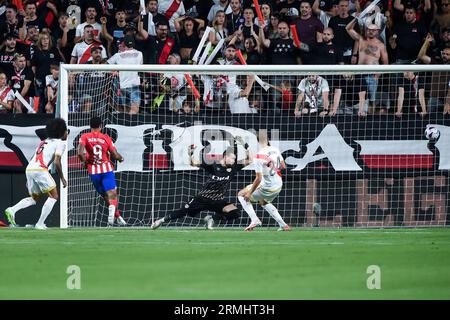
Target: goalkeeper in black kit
{"type": "Point", "coordinates": [212, 196]}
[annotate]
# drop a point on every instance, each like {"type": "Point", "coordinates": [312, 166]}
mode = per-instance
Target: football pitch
{"type": "Point", "coordinates": [225, 264]}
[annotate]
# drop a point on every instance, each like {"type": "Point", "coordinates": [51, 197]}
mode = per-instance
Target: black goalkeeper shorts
{"type": "Point", "coordinates": [199, 204]}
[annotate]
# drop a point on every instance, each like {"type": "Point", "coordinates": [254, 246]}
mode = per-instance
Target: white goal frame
{"type": "Point", "coordinates": [214, 69]}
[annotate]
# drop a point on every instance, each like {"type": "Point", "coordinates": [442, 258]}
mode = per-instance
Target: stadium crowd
{"type": "Point", "coordinates": [36, 36]}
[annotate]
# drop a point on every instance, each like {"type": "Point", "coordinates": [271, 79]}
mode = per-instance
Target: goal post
{"type": "Point", "coordinates": [366, 165]}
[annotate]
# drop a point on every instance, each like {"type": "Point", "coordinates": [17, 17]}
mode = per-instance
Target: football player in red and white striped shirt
{"type": "Point", "coordinates": [94, 152]}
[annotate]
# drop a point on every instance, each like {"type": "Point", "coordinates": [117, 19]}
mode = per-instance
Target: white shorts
{"type": "Point", "coordinates": [263, 194]}
{"type": "Point", "coordinates": [39, 182]}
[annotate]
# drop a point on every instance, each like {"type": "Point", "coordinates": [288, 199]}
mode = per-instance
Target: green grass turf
{"type": "Point", "coordinates": [225, 264]}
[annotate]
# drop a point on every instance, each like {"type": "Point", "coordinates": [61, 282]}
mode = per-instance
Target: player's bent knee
{"type": "Point", "coordinates": [111, 194]}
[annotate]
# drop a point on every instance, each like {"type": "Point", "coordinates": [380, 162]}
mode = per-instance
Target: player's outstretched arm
{"type": "Point", "coordinates": [58, 166]}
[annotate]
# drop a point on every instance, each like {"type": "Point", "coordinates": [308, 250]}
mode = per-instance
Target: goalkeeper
{"type": "Point", "coordinates": [212, 196]}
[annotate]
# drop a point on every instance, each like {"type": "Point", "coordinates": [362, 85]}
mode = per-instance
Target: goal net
{"type": "Point", "coordinates": [365, 146]}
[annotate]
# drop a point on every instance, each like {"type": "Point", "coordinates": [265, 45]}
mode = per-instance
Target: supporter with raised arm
{"type": "Point", "coordinates": [370, 51]}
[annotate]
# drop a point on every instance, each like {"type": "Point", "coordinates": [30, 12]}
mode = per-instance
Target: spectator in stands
{"type": "Point", "coordinates": [44, 56]}
{"type": "Point", "coordinates": [190, 105]}
{"type": "Point", "coordinates": [171, 9]}
{"type": "Point", "coordinates": [31, 19]}
{"type": "Point", "coordinates": [439, 81]}
{"type": "Point", "coordinates": [370, 51]}
{"type": "Point", "coordinates": [64, 37]}
{"type": "Point", "coordinates": [156, 18]}
{"type": "Point", "coordinates": [249, 28]}
{"type": "Point", "coordinates": [230, 55]}
{"type": "Point", "coordinates": [29, 45]}
{"type": "Point", "coordinates": [81, 53]}
{"type": "Point", "coordinates": [313, 96]}
{"type": "Point", "coordinates": [284, 6]}
{"type": "Point", "coordinates": [157, 49]}
{"type": "Point", "coordinates": [441, 19]}
{"type": "Point", "coordinates": [90, 15]}
{"type": "Point", "coordinates": [222, 5]}
{"type": "Point", "coordinates": [238, 98]}
{"type": "Point", "coordinates": [13, 24]}
{"type": "Point", "coordinates": [6, 95]}
{"type": "Point", "coordinates": [272, 32]}
{"type": "Point", "coordinates": [176, 87]}
{"type": "Point", "coordinates": [341, 38]}
{"type": "Point", "coordinates": [411, 90]}
{"type": "Point", "coordinates": [325, 15]}
{"type": "Point", "coordinates": [287, 97]}
{"type": "Point", "coordinates": [236, 18]}
{"type": "Point", "coordinates": [51, 83]}
{"type": "Point", "coordinates": [375, 16]}
{"type": "Point", "coordinates": [442, 43]}
{"type": "Point", "coordinates": [219, 32]}
{"type": "Point", "coordinates": [188, 35]}
{"type": "Point", "coordinates": [97, 58]}
{"type": "Point", "coordinates": [326, 52]}
{"type": "Point", "coordinates": [21, 81]}
{"type": "Point", "coordinates": [129, 81]}
{"type": "Point", "coordinates": [253, 51]}
{"type": "Point", "coordinates": [282, 49]}
{"type": "Point", "coordinates": [86, 104]}
{"type": "Point", "coordinates": [407, 37]}
{"type": "Point", "coordinates": [266, 11]}
{"type": "Point", "coordinates": [309, 29]}
{"type": "Point", "coordinates": [114, 33]}
{"type": "Point", "coordinates": [7, 53]}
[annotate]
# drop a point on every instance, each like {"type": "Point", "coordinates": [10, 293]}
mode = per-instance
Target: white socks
{"type": "Point", "coordinates": [270, 208]}
{"type": "Point", "coordinates": [22, 204]}
{"type": "Point", "coordinates": [46, 209]}
{"type": "Point", "coordinates": [248, 208]}
{"type": "Point", "coordinates": [111, 212]}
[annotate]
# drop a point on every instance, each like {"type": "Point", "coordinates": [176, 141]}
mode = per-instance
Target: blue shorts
{"type": "Point", "coordinates": [103, 181]}
{"type": "Point", "coordinates": [130, 96]}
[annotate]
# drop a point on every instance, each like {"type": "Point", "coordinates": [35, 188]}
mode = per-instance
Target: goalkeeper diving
{"type": "Point", "coordinates": [212, 196]}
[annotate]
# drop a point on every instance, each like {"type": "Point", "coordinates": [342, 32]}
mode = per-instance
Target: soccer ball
{"type": "Point", "coordinates": [432, 133]}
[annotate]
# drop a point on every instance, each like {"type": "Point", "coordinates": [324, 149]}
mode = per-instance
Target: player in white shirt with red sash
{"type": "Point", "coordinates": [267, 185]}
{"type": "Point", "coordinates": [39, 180]}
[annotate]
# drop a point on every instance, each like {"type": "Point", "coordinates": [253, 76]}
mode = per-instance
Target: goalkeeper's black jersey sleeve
{"type": "Point", "coordinates": [218, 181]}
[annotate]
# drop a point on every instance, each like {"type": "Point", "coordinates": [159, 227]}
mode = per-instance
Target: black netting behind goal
{"type": "Point", "coordinates": [355, 145]}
